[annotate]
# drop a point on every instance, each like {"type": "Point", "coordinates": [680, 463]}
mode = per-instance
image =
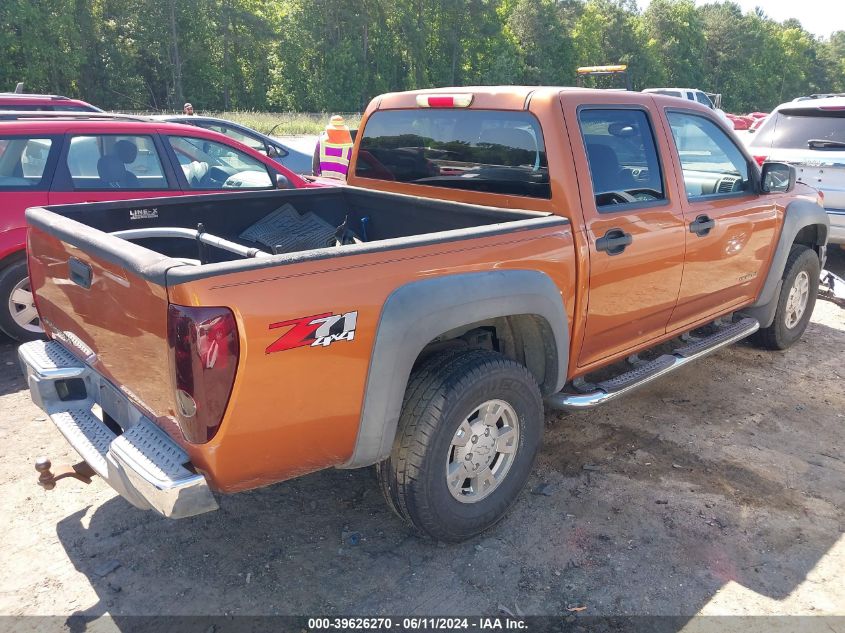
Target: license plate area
{"type": "Point", "coordinates": [113, 402]}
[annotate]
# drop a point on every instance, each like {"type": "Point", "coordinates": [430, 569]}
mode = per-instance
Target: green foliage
{"type": "Point", "coordinates": [677, 39]}
{"type": "Point", "coordinates": [335, 55]}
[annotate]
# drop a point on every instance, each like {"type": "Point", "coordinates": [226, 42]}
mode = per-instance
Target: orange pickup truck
{"type": "Point", "coordinates": [498, 251]}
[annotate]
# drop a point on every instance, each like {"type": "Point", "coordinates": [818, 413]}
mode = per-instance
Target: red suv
{"type": "Point", "coordinates": [50, 103]}
{"type": "Point", "coordinates": [66, 159]}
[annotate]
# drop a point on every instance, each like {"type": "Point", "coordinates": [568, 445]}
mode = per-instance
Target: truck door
{"type": "Point", "coordinates": [634, 227]}
{"type": "Point", "coordinates": [730, 228]}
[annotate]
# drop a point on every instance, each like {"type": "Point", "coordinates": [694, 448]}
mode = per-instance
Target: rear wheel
{"type": "Point", "coordinates": [18, 317]}
{"type": "Point", "coordinates": [796, 301]}
{"type": "Point", "coordinates": [468, 434]}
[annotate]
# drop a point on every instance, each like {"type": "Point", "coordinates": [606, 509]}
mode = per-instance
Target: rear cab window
{"type": "Point", "coordinates": [491, 151]}
{"type": "Point", "coordinates": [114, 161]}
{"type": "Point", "coordinates": [23, 162]}
{"type": "Point", "coordinates": [622, 155]}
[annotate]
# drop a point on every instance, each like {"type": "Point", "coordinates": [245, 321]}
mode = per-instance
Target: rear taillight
{"type": "Point", "coordinates": [204, 349]}
{"type": "Point", "coordinates": [760, 160]}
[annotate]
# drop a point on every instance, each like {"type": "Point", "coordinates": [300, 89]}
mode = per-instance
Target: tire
{"type": "Point", "coordinates": [787, 327]}
{"type": "Point", "coordinates": [451, 389]}
{"type": "Point", "coordinates": [13, 279]}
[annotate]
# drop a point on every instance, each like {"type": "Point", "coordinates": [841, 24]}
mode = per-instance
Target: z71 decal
{"type": "Point", "coordinates": [317, 330]}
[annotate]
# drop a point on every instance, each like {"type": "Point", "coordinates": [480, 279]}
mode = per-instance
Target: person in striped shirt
{"type": "Point", "coordinates": [334, 150]}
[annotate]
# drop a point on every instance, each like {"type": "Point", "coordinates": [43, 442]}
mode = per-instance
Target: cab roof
{"type": "Point", "coordinates": [502, 97]}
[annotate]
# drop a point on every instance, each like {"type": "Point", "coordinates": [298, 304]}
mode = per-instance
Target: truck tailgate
{"type": "Point", "coordinates": [105, 300]}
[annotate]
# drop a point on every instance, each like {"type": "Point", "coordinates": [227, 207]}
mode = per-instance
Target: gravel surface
{"type": "Point", "coordinates": [719, 489]}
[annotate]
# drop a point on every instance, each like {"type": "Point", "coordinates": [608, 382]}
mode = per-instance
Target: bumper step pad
{"type": "Point", "coordinates": [144, 464]}
{"type": "Point", "coordinates": [50, 360]}
{"type": "Point", "coordinates": [88, 435]}
{"type": "Point", "coordinates": [151, 451]}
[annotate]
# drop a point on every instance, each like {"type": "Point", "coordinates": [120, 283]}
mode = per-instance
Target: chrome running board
{"type": "Point", "coordinates": [645, 373]}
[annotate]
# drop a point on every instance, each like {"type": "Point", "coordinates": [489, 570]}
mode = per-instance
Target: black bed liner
{"type": "Point", "coordinates": [392, 221]}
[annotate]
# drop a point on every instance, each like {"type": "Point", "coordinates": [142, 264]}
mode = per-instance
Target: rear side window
{"type": "Point", "coordinates": [23, 162]}
{"type": "Point", "coordinates": [624, 167]}
{"type": "Point", "coordinates": [74, 108]}
{"type": "Point", "coordinates": [481, 150]}
{"type": "Point", "coordinates": [250, 141]}
{"type": "Point", "coordinates": [25, 107]}
{"type": "Point", "coordinates": [115, 162]}
{"type": "Point", "coordinates": [792, 128]}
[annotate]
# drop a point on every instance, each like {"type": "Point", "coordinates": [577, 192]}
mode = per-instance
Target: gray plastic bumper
{"type": "Point", "coordinates": [143, 464]}
{"type": "Point", "coordinates": [837, 226]}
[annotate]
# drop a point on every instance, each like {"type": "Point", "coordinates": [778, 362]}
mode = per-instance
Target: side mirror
{"type": "Point", "coordinates": [777, 178]}
{"type": "Point", "coordinates": [282, 182]}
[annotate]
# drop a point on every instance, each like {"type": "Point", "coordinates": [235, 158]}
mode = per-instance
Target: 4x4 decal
{"type": "Point", "coordinates": [317, 330]}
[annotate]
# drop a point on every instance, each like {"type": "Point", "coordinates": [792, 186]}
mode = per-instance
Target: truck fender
{"type": "Point", "coordinates": [418, 312]}
{"type": "Point", "coordinates": [799, 215]}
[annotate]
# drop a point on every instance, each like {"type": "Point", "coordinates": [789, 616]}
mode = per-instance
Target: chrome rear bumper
{"type": "Point", "coordinates": [143, 464]}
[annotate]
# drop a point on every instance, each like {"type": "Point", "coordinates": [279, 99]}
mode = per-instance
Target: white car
{"type": "Point", "coordinates": [693, 94]}
{"type": "Point", "coordinates": [810, 134]}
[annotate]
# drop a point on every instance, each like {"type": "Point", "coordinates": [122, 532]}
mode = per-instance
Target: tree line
{"type": "Point", "coordinates": [334, 55]}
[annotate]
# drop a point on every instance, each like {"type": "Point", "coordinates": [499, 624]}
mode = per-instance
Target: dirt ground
{"type": "Point", "coordinates": [718, 490]}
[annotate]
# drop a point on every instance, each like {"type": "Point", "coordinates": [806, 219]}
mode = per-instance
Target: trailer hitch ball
{"type": "Point", "coordinates": [47, 479]}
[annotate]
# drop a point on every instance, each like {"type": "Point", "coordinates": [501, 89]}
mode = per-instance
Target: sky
{"type": "Point", "coordinates": [820, 17]}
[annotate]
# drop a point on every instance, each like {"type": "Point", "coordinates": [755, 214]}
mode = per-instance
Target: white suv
{"type": "Point", "coordinates": [694, 94]}
{"type": "Point", "coordinates": [810, 134]}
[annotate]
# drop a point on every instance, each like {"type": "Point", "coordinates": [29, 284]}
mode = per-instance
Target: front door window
{"type": "Point", "coordinates": [712, 164]}
{"type": "Point", "coordinates": [210, 165]}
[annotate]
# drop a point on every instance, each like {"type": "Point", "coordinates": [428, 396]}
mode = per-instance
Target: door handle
{"type": "Point", "coordinates": [614, 241]}
{"type": "Point", "coordinates": [702, 225]}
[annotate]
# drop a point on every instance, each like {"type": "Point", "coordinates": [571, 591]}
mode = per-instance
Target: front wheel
{"type": "Point", "coordinates": [796, 301]}
{"type": "Point", "coordinates": [18, 317]}
{"type": "Point", "coordinates": [468, 434]}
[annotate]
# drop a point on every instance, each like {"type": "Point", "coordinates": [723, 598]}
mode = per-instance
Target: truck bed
{"type": "Point", "coordinates": [352, 218]}
{"type": "Point", "coordinates": [111, 302]}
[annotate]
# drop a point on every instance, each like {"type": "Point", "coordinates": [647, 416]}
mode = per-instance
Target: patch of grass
{"type": "Point", "coordinates": [284, 123]}
{"type": "Point", "coordinates": [276, 123]}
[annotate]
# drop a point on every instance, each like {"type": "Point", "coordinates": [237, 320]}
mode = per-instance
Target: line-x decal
{"type": "Point", "coordinates": [317, 330]}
